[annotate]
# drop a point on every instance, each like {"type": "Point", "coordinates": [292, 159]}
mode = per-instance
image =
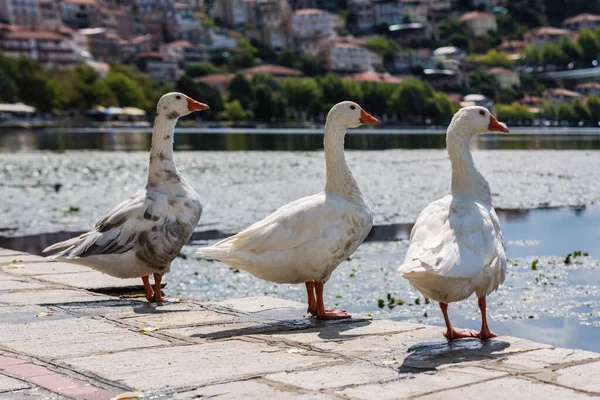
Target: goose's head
{"type": "Point", "coordinates": [350, 115]}
{"type": "Point", "coordinates": [174, 105]}
{"type": "Point", "coordinates": [474, 120]}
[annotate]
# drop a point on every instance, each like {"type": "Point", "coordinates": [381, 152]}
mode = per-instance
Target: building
{"type": "Point", "coordinates": [49, 13]}
{"type": "Point", "coordinates": [311, 23]}
{"type": "Point", "coordinates": [588, 88]}
{"type": "Point", "coordinates": [341, 56]}
{"type": "Point", "coordinates": [268, 20]}
{"type": "Point", "coordinates": [130, 48]}
{"type": "Point", "coordinates": [387, 11]}
{"type": "Point", "coordinates": [480, 23]}
{"type": "Point", "coordinates": [232, 12]}
{"type": "Point", "coordinates": [372, 76]}
{"type": "Point", "coordinates": [183, 25]}
{"type": "Point", "coordinates": [545, 34]}
{"type": "Point", "coordinates": [560, 95]}
{"type": "Point", "coordinates": [79, 14]}
{"type": "Point", "coordinates": [104, 44]}
{"type": "Point", "coordinates": [221, 81]}
{"type": "Point", "coordinates": [415, 10]}
{"type": "Point", "coordinates": [505, 77]}
{"type": "Point", "coordinates": [20, 12]}
{"type": "Point", "coordinates": [187, 51]}
{"type": "Point", "coordinates": [582, 21]}
{"type": "Point", "coordinates": [51, 49]}
{"type": "Point", "coordinates": [405, 60]}
{"type": "Point", "coordinates": [363, 10]}
{"type": "Point", "coordinates": [485, 4]}
{"type": "Point", "coordinates": [449, 53]}
{"type": "Point", "coordinates": [511, 46]}
{"type": "Point", "coordinates": [160, 66]}
{"type": "Point", "coordinates": [444, 78]}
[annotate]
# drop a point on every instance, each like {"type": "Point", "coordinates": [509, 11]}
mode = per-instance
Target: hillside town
{"type": "Point", "coordinates": [411, 61]}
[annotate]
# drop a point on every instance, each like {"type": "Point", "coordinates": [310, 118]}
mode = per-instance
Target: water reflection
{"type": "Point", "coordinates": [283, 140]}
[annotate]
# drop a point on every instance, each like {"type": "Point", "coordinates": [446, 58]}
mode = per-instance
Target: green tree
{"type": "Point", "coordinates": [269, 105]}
{"type": "Point", "coordinates": [127, 93]}
{"type": "Point", "coordinates": [593, 104]}
{"type": "Point", "coordinates": [303, 96]}
{"type": "Point", "coordinates": [288, 58]}
{"type": "Point", "coordinates": [565, 112]}
{"type": "Point", "coordinates": [438, 108]}
{"type": "Point", "coordinates": [549, 111]}
{"type": "Point", "coordinates": [482, 82]}
{"type": "Point", "coordinates": [8, 87]}
{"type": "Point", "coordinates": [589, 44]}
{"type": "Point", "coordinates": [454, 32]}
{"type": "Point", "coordinates": [203, 68]}
{"type": "Point", "coordinates": [240, 89]}
{"type": "Point", "coordinates": [234, 111]}
{"type": "Point", "coordinates": [409, 100]}
{"type": "Point", "coordinates": [571, 50]}
{"type": "Point", "coordinates": [492, 58]}
{"type": "Point", "coordinates": [532, 55]}
{"type": "Point", "coordinates": [531, 13]}
{"type": "Point", "coordinates": [582, 110]}
{"type": "Point", "coordinates": [514, 112]}
{"type": "Point", "coordinates": [552, 54]}
{"type": "Point", "coordinates": [244, 56]}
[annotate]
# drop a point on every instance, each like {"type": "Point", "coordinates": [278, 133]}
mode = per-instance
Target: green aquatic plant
{"type": "Point", "coordinates": [72, 210]}
{"type": "Point", "coordinates": [534, 264]}
{"type": "Point", "coordinates": [574, 255]}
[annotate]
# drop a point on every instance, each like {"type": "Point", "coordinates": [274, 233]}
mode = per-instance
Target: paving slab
{"type": "Point", "coordinates": [7, 384]}
{"type": "Point", "coordinates": [93, 280]}
{"type": "Point", "coordinates": [335, 376]}
{"type": "Point", "coordinates": [10, 253]}
{"type": "Point", "coordinates": [50, 296]}
{"type": "Point", "coordinates": [20, 259]}
{"type": "Point", "coordinates": [256, 304]}
{"type": "Point", "coordinates": [343, 330]}
{"type": "Point", "coordinates": [538, 360]}
{"type": "Point", "coordinates": [44, 268]}
{"type": "Point", "coordinates": [581, 377]}
{"type": "Point", "coordinates": [13, 284]}
{"type": "Point", "coordinates": [415, 384]}
{"type": "Point", "coordinates": [197, 364]}
{"type": "Point", "coordinates": [248, 390]}
{"type": "Point", "coordinates": [508, 388]}
{"type": "Point", "coordinates": [61, 335]}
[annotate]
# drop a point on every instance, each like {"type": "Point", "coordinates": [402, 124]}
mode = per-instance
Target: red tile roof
{"type": "Point", "coordinates": [215, 79]}
{"type": "Point", "coordinates": [501, 70]}
{"type": "Point", "coordinates": [549, 30]}
{"type": "Point", "coordinates": [588, 85]}
{"type": "Point", "coordinates": [81, 2]}
{"type": "Point", "coordinates": [476, 15]}
{"type": "Point", "coordinates": [37, 35]}
{"type": "Point", "coordinates": [582, 18]}
{"type": "Point", "coordinates": [372, 76]}
{"type": "Point", "coordinates": [273, 69]}
{"type": "Point", "coordinates": [560, 92]}
{"type": "Point", "coordinates": [180, 43]}
{"type": "Point", "coordinates": [309, 11]}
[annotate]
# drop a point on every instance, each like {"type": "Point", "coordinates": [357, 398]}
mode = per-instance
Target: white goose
{"type": "Point", "coordinates": [143, 234]}
{"type": "Point", "coordinates": [456, 247]}
{"type": "Point", "coordinates": [304, 241]}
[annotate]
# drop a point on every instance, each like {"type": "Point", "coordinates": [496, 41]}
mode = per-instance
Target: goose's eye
{"type": "Point", "coordinates": [178, 97]}
{"type": "Point", "coordinates": [353, 107]}
{"type": "Point", "coordinates": [482, 113]}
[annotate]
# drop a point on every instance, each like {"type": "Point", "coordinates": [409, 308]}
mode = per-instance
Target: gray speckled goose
{"type": "Point", "coordinates": [143, 234]}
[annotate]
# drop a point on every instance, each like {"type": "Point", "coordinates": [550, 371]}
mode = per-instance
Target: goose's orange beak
{"type": "Point", "coordinates": [367, 119]}
{"type": "Point", "coordinates": [496, 126]}
{"type": "Point", "coordinates": [194, 105]}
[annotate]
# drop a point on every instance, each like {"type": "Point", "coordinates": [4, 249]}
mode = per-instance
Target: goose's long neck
{"type": "Point", "coordinates": [339, 178]}
{"type": "Point", "coordinates": [467, 180]}
{"type": "Point", "coordinates": [161, 153]}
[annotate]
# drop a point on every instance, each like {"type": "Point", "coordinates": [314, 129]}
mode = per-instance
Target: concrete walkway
{"type": "Point", "coordinates": [66, 333]}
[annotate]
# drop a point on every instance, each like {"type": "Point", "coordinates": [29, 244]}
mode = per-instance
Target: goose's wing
{"type": "Point", "coordinates": [289, 227]}
{"type": "Point", "coordinates": [145, 223]}
{"type": "Point", "coordinates": [454, 239]}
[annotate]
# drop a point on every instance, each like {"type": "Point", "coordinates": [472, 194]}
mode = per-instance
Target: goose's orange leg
{"type": "Point", "coordinates": [148, 289]}
{"type": "Point", "coordinates": [331, 313]}
{"type": "Point", "coordinates": [157, 294]}
{"type": "Point", "coordinates": [485, 332]}
{"type": "Point", "coordinates": [451, 332]}
{"type": "Point", "coordinates": [312, 303]}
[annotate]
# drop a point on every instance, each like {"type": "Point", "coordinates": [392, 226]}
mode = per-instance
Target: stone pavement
{"type": "Point", "coordinates": [66, 333]}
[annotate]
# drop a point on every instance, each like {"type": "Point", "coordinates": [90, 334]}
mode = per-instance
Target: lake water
{"type": "Point", "coordinates": [557, 301]}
